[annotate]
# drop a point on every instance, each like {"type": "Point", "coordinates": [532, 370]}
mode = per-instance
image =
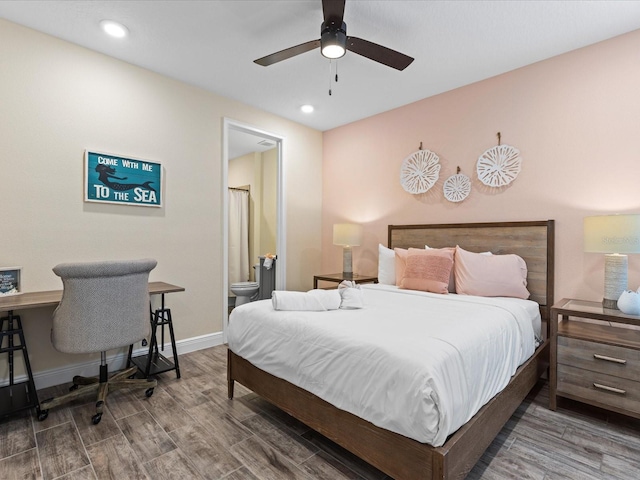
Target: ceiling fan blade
{"type": "Point", "coordinates": [378, 53]}
{"type": "Point", "coordinates": [333, 10]}
{"type": "Point", "coordinates": [287, 53]}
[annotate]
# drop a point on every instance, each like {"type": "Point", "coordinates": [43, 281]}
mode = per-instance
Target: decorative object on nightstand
{"type": "Point", "coordinates": [613, 235]}
{"type": "Point", "coordinates": [629, 302]}
{"type": "Point", "coordinates": [348, 235]}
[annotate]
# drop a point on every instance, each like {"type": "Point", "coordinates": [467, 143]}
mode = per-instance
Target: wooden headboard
{"type": "Point", "coordinates": [533, 241]}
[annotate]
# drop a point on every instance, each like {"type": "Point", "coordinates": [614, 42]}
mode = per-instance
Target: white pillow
{"type": "Point", "coordinates": [386, 265]}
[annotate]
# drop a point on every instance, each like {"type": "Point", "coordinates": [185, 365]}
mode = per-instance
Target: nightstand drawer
{"type": "Point", "coordinates": [598, 357]}
{"type": "Point", "coordinates": [600, 389]}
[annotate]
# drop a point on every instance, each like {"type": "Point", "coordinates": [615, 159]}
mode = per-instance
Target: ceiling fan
{"type": "Point", "coordinates": [334, 42]}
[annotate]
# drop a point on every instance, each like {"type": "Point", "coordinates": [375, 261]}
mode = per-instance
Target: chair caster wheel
{"type": "Point", "coordinates": [73, 387]}
{"type": "Point", "coordinates": [43, 414]}
{"type": "Point", "coordinates": [148, 392]}
{"type": "Point", "coordinates": [96, 418]}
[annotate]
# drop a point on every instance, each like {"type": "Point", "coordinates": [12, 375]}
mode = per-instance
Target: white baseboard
{"type": "Point", "coordinates": [118, 361]}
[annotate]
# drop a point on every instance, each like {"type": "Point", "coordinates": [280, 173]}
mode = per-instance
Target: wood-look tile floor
{"type": "Point", "coordinates": [189, 430]}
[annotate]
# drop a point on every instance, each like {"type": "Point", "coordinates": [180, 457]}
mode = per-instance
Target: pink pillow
{"type": "Point", "coordinates": [401, 263]}
{"type": "Point", "coordinates": [452, 280]}
{"type": "Point", "coordinates": [490, 275]}
{"type": "Point", "coordinates": [427, 270]}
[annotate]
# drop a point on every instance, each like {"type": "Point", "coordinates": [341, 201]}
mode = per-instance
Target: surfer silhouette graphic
{"type": "Point", "coordinates": [106, 173]}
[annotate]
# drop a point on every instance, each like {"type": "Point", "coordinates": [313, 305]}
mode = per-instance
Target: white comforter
{"type": "Point", "coordinates": [415, 363]}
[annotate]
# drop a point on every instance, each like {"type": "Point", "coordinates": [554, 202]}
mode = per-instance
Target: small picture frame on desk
{"type": "Point", "coordinates": [10, 281]}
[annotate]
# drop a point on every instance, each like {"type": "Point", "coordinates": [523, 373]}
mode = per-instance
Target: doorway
{"type": "Point", "coordinates": [240, 139]}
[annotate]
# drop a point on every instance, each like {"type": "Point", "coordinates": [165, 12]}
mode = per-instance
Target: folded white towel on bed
{"type": "Point", "coordinates": [316, 300]}
{"type": "Point", "coordinates": [351, 295]}
{"type": "Point", "coordinates": [348, 284]}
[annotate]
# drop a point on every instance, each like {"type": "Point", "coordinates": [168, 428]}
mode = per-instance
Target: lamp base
{"type": "Point", "coordinates": [347, 269]}
{"type": "Point", "coordinates": [615, 279]}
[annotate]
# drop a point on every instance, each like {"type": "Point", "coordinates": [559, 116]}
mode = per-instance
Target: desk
{"type": "Point", "coordinates": [22, 395]}
{"type": "Point", "coordinates": [52, 298]}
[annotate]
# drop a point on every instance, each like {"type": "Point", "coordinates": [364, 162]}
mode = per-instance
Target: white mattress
{"type": "Point", "coordinates": [415, 363]}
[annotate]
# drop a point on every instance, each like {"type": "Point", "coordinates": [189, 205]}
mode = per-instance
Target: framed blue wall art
{"type": "Point", "coordinates": [10, 281]}
{"type": "Point", "coordinates": [112, 178]}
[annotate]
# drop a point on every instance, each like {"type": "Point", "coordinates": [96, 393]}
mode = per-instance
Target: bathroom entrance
{"type": "Point", "coordinates": [253, 206]}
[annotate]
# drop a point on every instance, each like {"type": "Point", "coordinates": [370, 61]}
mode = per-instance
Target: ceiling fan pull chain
{"type": "Point", "coordinates": [329, 77]}
{"type": "Point", "coordinates": [336, 71]}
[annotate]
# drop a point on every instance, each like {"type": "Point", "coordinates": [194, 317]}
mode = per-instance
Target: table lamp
{"type": "Point", "coordinates": [348, 235]}
{"type": "Point", "coordinates": [613, 235]}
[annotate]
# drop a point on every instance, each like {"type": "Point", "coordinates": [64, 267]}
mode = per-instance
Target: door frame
{"type": "Point", "coordinates": [281, 240]}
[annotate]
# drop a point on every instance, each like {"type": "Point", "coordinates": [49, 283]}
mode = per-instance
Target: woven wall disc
{"type": "Point", "coordinates": [499, 166]}
{"type": "Point", "coordinates": [419, 171]}
{"type": "Point", "coordinates": [457, 187]}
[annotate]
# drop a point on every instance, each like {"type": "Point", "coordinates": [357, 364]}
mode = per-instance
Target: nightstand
{"type": "Point", "coordinates": [339, 277]}
{"type": "Point", "coordinates": [595, 362]}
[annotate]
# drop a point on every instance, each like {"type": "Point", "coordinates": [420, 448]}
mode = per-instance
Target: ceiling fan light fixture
{"type": "Point", "coordinates": [333, 40]}
{"type": "Point", "coordinates": [333, 51]}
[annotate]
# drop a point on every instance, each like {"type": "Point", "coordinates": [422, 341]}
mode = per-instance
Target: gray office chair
{"type": "Point", "coordinates": [105, 305]}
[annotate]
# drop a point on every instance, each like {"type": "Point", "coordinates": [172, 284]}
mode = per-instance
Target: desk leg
{"type": "Point", "coordinates": [129, 356]}
{"type": "Point", "coordinates": [22, 395]}
{"type": "Point", "coordinates": [166, 314]}
{"type": "Point", "coordinates": [11, 345]}
{"type": "Point", "coordinates": [153, 343]}
{"type": "Point", "coordinates": [154, 362]}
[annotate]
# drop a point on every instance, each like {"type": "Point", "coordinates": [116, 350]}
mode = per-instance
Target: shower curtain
{"type": "Point", "coordinates": [238, 236]}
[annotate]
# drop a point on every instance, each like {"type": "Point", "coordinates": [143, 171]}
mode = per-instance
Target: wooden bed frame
{"type": "Point", "coordinates": [400, 457]}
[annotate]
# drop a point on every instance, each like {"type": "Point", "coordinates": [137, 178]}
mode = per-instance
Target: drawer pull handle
{"type": "Point", "coordinates": [609, 359]}
{"type": "Point", "coordinates": [610, 389]}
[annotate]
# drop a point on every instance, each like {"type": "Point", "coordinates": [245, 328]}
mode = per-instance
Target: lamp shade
{"type": "Point", "coordinates": [612, 234]}
{"type": "Point", "coordinates": [347, 234]}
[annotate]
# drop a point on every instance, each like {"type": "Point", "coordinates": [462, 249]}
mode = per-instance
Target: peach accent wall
{"type": "Point", "coordinates": [575, 119]}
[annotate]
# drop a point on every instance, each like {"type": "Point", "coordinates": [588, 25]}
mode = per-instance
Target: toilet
{"type": "Point", "coordinates": [246, 291]}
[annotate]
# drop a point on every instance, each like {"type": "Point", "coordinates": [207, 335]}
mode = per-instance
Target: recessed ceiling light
{"type": "Point", "coordinates": [114, 29]}
{"type": "Point", "coordinates": [307, 108]}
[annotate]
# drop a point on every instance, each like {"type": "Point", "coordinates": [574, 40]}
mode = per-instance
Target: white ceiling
{"type": "Point", "coordinates": [212, 44]}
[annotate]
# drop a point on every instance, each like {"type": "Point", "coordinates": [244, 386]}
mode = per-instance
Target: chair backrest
{"type": "Point", "coordinates": [104, 305]}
